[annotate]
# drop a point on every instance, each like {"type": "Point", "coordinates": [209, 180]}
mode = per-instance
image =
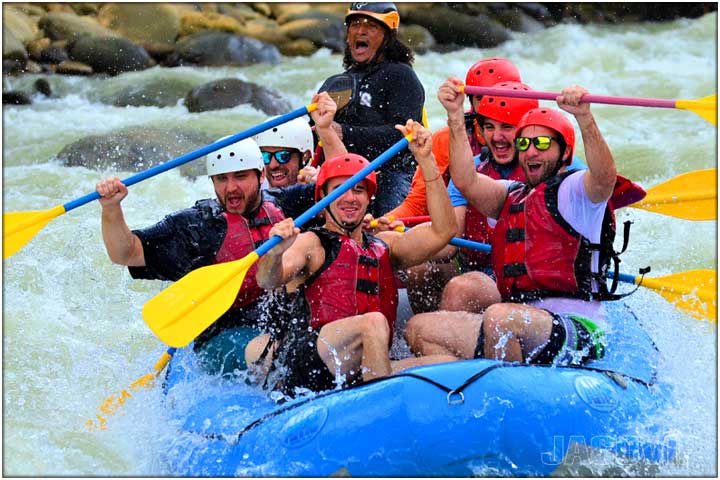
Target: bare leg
{"type": "Point", "coordinates": [470, 292]}
{"type": "Point", "coordinates": [359, 342]}
{"type": "Point", "coordinates": [405, 363]}
{"type": "Point", "coordinates": [254, 349]}
{"type": "Point", "coordinates": [425, 283]}
{"type": "Point", "coordinates": [513, 330]}
{"type": "Point", "coordinates": [444, 333]}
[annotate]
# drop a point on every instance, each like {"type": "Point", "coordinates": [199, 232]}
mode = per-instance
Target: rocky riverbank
{"type": "Point", "coordinates": [111, 38]}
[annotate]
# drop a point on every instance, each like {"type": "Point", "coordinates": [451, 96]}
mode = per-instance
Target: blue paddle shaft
{"type": "Point", "coordinates": [335, 194]}
{"type": "Point", "coordinates": [151, 172]}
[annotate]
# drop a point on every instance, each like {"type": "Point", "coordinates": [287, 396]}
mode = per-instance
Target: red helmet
{"type": "Point", "coordinates": [547, 117]}
{"type": "Point", "coordinates": [489, 71]}
{"type": "Point", "coordinates": [506, 109]}
{"type": "Point", "coordinates": [344, 165]}
{"type": "Point", "coordinates": [384, 12]}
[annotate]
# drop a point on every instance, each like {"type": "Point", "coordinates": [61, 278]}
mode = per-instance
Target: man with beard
{"type": "Point", "coordinates": [552, 243]}
{"type": "Point", "coordinates": [377, 91]}
{"type": "Point", "coordinates": [287, 151]}
{"type": "Point", "coordinates": [218, 230]}
{"type": "Point", "coordinates": [342, 279]}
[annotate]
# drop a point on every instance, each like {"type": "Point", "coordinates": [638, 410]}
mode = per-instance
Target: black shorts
{"type": "Point", "coordinates": [559, 349]}
{"type": "Point", "coordinates": [298, 365]}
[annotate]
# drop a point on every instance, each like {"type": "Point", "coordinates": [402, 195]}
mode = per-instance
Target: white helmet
{"type": "Point", "coordinates": [293, 134]}
{"type": "Point", "coordinates": [238, 156]}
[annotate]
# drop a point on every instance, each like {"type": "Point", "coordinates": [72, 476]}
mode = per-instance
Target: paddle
{"type": "Point", "coordinates": [20, 227]}
{"type": "Point", "coordinates": [113, 403]}
{"type": "Point", "coordinates": [693, 291]}
{"type": "Point", "coordinates": [692, 196]}
{"type": "Point", "coordinates": [706, 107]}
{"type": "Point", "coordinates": [181, 312]}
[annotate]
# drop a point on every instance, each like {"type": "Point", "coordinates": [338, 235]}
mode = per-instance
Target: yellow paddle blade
{"type": "Point", "coordinates": [694, 291]}
{"type": "Point", "coordinates": [691, 196]}
{"type": "Point", "coordinates": [706, 107]}
{"type": "Point", "coordinates": [181, 312]}
{"type": "Point", "coordinates": [20, 227]}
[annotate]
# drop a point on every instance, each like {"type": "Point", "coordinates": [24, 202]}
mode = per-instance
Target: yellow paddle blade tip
{"type": "Point", "coordinates": [181, 312]}
{"type": "Point", "coordinates": [706, 107]}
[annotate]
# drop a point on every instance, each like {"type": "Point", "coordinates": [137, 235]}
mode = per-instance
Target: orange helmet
{"type": "Point", "coordinates": [489, 71]}
{"type": "Point", "coordinates": [344, 165]}
{"type": "Point", "coordinates": [384, 12]}
{"type": "Point", "coordinates": [554, 119]}
{"type": "Point", "coordinates": [506, 109]}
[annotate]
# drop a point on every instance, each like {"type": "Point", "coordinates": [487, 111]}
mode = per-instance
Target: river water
{"type": "Point", "coordinates": [72, 327]}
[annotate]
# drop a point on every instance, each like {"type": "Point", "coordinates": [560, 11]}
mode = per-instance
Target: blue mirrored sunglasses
{"type": "Point", "coordinates": [282, 156]}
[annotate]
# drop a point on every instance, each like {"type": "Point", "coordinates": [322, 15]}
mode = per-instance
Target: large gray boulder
{"type": "Point", "coordinates": [158, 92]}
{"type": "Point", "coordinates": [323, 32]}
{"type": "Point", "coordinates": [213, 48]}
{"type": "Point", "coordinates": [449, 26]}
{"type": "Point", "coordinates": [136, 149]}
{"type": "Point", "coordinates": [231, 92]}
{"type": "Point", "coordinates": [109, 55]}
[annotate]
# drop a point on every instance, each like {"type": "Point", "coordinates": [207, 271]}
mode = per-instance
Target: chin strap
{"type": "Point", "coordinates": [348, 228]}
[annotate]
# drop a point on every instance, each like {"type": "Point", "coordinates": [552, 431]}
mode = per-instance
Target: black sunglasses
{"type": "Point", "coordinates": [282, 156]}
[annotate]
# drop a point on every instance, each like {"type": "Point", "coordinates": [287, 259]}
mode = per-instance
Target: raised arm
{"type": "Point", "coordinates": [484, 193]}
{"type": "Point", "coordinates": [292, 260]}
{"type": "Point", "coordinates": [601, 174]}
{"type": "Point", "coordinates": [323, 117]}
{"type": "Point", "coordinates": [422, 242]}
{"type": "Point", "coordinates": [123, 247]}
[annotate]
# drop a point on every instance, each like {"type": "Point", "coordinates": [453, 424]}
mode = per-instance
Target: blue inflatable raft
{"type": "Point", "coordinates": [466, 418]}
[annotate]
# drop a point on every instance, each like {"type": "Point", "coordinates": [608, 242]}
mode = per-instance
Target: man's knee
{"type": "Point", "coordinates": [498, 318]}
{"type": "Point", "coordinates": [374, 324]}
{"type": "Point", "coordinates": [416, 327]}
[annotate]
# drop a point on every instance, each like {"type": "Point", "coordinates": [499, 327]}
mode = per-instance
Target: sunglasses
{"type": "Point", "coordinates": [542, 143]}
{"type": "Point", "coordinates": [282, 156]}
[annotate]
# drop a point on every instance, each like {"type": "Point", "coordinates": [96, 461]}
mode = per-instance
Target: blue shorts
{"type": "Point", "coordinates": [225, 352]}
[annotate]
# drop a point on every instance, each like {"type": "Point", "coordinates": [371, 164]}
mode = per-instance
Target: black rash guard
{"type": "Point", "coordinates": [383, 95]}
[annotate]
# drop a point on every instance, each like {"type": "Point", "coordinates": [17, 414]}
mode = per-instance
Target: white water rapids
{"type": "Point", "coordinates": [72, 328]}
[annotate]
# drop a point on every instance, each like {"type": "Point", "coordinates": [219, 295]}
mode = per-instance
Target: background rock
{"type": "Point", "coordinates": [22, 26]}
{"type": "Point", "coordinates": [143, 23]}
{"type": "Point", "coordinates": [68, 26]}
{"type": "Point", "coordinates": [156, 92]}
{"type": "Point", "coordinates": [221, 48]}
{"type": "Point", "coordinates": [450, 26]}
{"type": "Point", "coordinates": [231, 92]}
{"type": "Point", "coordinates": [109, 55]}
{"type": "Point", "coordinates": [136, 149]}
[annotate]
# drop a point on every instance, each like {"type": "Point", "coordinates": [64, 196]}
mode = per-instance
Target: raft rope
{"type": "Point", "coordinates": [455, 396]}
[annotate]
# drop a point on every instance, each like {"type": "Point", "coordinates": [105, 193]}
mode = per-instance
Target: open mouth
{"type": "Point", "coordinates": [534, 168]}
{"type": "Point", "coordinates": [278, 176]}
{"type": "Point", "coordinates": [361, 46]}
{"type": "Point", "coordinates": [502, 148]}
{"type": "Point", "coordinates": [234, 202]}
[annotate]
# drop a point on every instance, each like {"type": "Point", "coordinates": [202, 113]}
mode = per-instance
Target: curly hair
{"type": "Point", "coordinates": [392, 50]}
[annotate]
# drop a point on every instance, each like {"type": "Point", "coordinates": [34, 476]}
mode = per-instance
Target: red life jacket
{"type": "Point", "coordinates": [242, 237]}
{"type": "Point", "coordinates": [477, 228]}
{"type": "Point", "coordinates": [537, 253]}
{"type": "Point", "coordinates": [353, 280]}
